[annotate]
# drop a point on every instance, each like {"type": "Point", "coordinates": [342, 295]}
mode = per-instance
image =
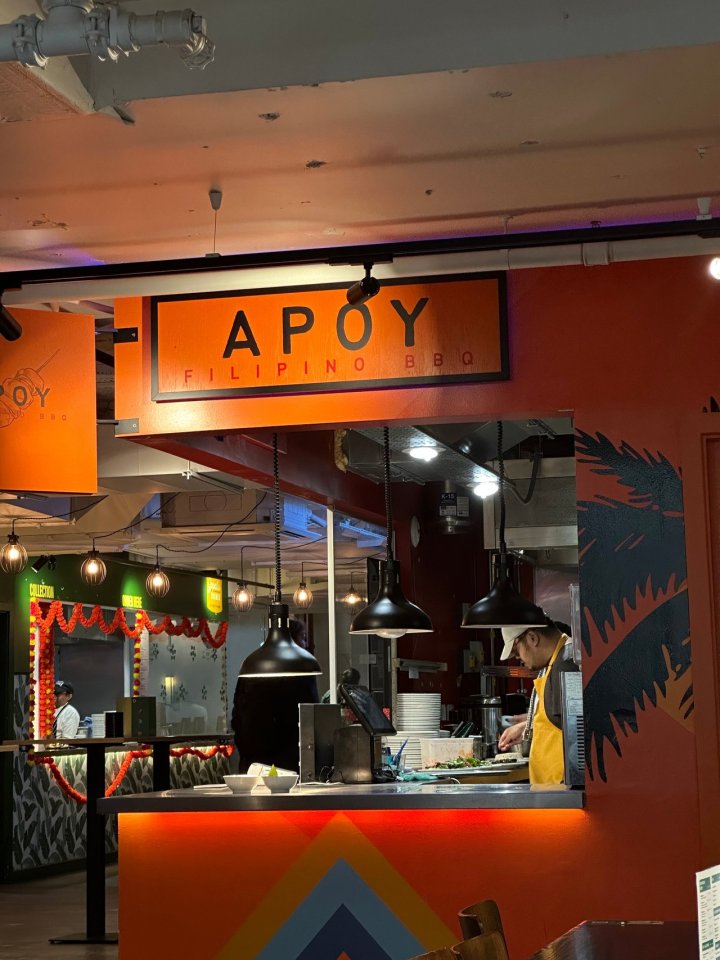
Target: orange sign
{"type": "Point", "coordinates": [310, 339]}
{"type": "Point", "coordinates": [47, 405]}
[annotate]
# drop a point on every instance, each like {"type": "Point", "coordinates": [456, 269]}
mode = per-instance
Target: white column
{"type": "Point", "coordinates": [332, 642]}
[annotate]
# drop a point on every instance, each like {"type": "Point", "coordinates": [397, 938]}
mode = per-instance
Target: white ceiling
{"type": "Point", "coordinates": [561, 141]}
{"type": "Point", "coordinates": [331, 124]}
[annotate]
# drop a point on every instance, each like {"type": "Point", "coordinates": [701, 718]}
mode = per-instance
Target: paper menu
{"type": "Point", "coordinates": [707, 884]}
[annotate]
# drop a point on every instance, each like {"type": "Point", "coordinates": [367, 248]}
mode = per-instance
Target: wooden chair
{"type": "Point", "coordinates": [478, 918]}
{"type": "Point", "coordinates": [488, 946]}
{"type": "Point", "coordinates": [444, 953]}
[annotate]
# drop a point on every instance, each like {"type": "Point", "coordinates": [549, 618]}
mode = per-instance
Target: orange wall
{"type": "Point", "coordinates": [630, 351]}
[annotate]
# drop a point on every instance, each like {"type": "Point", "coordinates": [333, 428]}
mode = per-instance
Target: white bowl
{"type": "Point", "coordinates": [282, 783]}
{"type": "Point", "coordinates": [241, 782]}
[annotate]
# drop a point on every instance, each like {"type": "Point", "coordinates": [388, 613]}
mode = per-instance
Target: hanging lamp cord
{"type": "Point", "coordinates": [501, 477]}
{"type": "Point", "coordinates": [276, 491]}
{"type": "Point", "coordinates": [388, 501]}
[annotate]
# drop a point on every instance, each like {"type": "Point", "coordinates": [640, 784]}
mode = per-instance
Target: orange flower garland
{"type": "Point", "coordinates": [224, 749]}
{"type": "Point", "coordinates": [137, 657]}
{"type": "Point", "coordinates": [42, 693]}
{"type": "Point", "coordinates": [142, 621]}
{"type": "Point", "coordinates": [33, 682]}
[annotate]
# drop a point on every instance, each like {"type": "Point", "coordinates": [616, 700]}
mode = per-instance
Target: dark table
{"type": "Point", "coordinates": [95, 747]}
{"type": "Point", "coordinates": [625, 940]}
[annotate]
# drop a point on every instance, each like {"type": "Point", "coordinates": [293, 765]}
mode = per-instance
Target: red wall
{"type": "Point", "coordinates": [629, 350]}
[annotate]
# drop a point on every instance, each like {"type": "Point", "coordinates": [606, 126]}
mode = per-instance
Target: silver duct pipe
{"type": "Point", "coordinates": [103, 30]}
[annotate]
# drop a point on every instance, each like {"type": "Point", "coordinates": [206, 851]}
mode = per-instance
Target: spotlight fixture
{"type": "Point", "coordinates": [93, 569]}
{"type": "Point", "coordinates": [486, 488]}
{"type": "Point", "coordinates": [364, 289]}
{"type": "Point", "coordinates": [503, 606]}
{"type": "Point", "coordinates": [13, 556]}
{"type": "Point", "coordinates": [714, 268]}
{"type": "Point", "coordinates": [243, 598]}
{"type": "Point", "coordinates": [425, 452]}
{"type": "Point", "coordinates": [9, 327]}
{"type": "Point", "coordinates": [390, 614]}
{"type": "Point", "coordinates": [157, 583]}
{"type": "Point", "coordinates": [279, 655]}
{"type": "Point", "coordinates": [37, 566]}
{"type": "Point", "coordinates": [352, 598]}
{"type": "Point", "coordinates": [303, 597]}
{"type": "Point", "coordinates": [51, 562]}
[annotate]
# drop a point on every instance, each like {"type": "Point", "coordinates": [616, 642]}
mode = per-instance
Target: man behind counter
{"type": "Point", "coordinates": [548, 650]}
{"type": "Point", "coordinates": [67, 719]}
{"type": "Point", "coordinates": [265, 714]}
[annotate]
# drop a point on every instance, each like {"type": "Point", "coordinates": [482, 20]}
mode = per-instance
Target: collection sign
{"type": "Point", "coordinates": [429, 330]}
{"type": "Point", "coordinates": [213, 594]}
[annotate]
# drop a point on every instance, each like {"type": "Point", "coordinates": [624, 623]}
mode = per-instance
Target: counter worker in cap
{"type": "Point", "coordinates": [548, 650]}
{"type": "Point", "coordinates": [67, 719]}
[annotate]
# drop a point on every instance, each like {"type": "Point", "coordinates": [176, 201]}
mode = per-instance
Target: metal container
{"type": "Point", "coordinates": [490, 720]}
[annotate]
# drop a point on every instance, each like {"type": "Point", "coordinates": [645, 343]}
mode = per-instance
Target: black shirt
{"type": "Point", "coordinates": [265, 719]}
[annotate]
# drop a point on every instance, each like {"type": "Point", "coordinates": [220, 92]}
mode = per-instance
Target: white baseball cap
{"type": "Point", "coordinates": [510, 635]}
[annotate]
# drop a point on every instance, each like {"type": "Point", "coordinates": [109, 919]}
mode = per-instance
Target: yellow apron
{"type": "Point", "coordinates": [546, 752]}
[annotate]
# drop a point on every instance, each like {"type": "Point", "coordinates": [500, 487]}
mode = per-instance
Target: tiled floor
{"type": "Point", "coordinates": [32, 912]}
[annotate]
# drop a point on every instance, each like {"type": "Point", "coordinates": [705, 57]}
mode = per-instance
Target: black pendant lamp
{"type": "Point", "coordinates": [503, 606]}
{"type": "Point", "coordinates": [390, 614]}
{"type": "Point", "coordinates": [279, 655]}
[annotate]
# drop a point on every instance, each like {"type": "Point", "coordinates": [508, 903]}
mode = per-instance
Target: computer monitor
{"type": "Point", "coordinates": [366, 709]}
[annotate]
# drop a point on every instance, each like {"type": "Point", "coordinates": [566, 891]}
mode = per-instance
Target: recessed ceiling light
{"type": "Point", "coordinates": [714, 268]}
{"type": "Point", "coordinates": [425, 453]}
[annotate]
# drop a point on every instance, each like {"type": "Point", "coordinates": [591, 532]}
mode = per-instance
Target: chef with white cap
{"type": "Point", "coordinates": [548, 650]}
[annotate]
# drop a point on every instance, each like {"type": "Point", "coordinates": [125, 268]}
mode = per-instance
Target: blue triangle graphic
{"type": "Point", "coordinates": [342, 887]}
{"type": "Point", "coordinates": [343, 933]}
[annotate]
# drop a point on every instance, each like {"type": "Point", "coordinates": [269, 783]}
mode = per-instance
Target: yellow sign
{"type": "Point", "coordinates": [134, 603]}
{"type": "Point", "coordinates": [42, 591]}
{"type": "Point", "coordinates": [213, 594]}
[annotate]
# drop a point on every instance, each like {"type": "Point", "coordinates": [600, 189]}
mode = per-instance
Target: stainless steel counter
{"type": "Point", "coordinates": [386, 796]}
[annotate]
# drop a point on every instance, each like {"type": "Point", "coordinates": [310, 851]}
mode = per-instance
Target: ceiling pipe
{"type": "Point", "coordinates": [105, 31]}
{"type": "Point", "coordinates": [550, 248]}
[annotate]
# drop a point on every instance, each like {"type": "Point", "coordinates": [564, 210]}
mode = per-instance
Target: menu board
{"type": "Point", "coordinates": [708, 901]}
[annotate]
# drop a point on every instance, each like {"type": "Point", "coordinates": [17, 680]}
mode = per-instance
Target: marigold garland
{"type": "Point", "coordinates": [42, 699]}
{"type": "Point", "coordinates": [142, 621]}
{"type": "Point", "coordinates": [224, 749]}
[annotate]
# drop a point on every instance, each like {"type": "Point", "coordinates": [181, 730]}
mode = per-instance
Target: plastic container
{"type": "Point", "coordinates": [438, 750]}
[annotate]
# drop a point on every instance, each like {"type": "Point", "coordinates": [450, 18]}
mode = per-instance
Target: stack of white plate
{"type": "Point", "coordinates": [419, 712]}
{"type": "Point", "coordinates": [412, 751]}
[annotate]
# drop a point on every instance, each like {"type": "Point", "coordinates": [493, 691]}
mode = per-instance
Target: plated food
{"type": "Point", "coordinates": [462, 763]}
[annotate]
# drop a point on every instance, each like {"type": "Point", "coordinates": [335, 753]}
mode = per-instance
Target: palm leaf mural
{"type": "Point", "coordinates": [644, 539]}
{"type": "Point", "coordinates": [653, 480]}
{"type": "Point", "coordinates": [636, 672]}
{"type": "Point", "coordinates": [628, 544]}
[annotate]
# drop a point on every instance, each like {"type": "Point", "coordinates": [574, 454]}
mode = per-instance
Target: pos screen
{"type": "Point", "coordinates": [366, 709]}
